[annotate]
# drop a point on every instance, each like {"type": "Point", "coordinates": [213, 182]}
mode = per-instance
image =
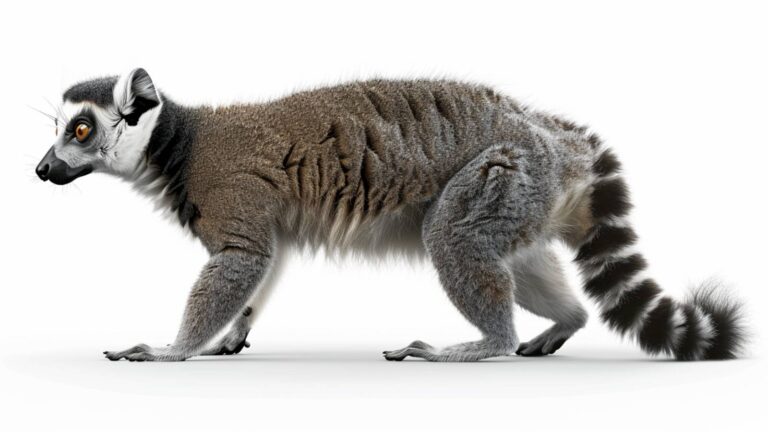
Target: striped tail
{"type": "Point", "coordinates": [706, 325]}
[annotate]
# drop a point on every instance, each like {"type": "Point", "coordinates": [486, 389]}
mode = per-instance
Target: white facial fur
{"type": "Point", "coordinates": [117, 148]}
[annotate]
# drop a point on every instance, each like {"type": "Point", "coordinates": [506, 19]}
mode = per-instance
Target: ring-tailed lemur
{"type": "Point", "coordinates": [479, 183]}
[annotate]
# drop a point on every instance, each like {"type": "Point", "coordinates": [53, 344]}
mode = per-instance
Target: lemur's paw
{"type": "Point", "coordinates": [232, 343]}
{"type": "Point", "coordinates": [540, 346]}
{"type": "Point", "coordinates": [143, 352]}
{"type": "Point", "coordinates": [415, 349]}
{"type": "Point", "coordinates": [235, 340]}
{"type": "Point", "coordinates": [140, 352]}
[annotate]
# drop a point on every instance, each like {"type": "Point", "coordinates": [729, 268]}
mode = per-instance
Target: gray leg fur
{"type": "Point", "coordinates": [225, 285]}
{"type": "Point", "coordinates": [541, 288]}
{"type": "Point", "coordinates": [486, 211]}
{"type": "Point", "coordinates": [235, 339]}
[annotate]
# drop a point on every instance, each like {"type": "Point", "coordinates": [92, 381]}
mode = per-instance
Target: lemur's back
{"type": "Point", "coordinates": [350, 153]}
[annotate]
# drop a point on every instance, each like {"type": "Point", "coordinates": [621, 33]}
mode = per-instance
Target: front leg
{"type": "Point", "coordinates": [225, 285]}
{"type": "Point", "coordinates": [235, 339]}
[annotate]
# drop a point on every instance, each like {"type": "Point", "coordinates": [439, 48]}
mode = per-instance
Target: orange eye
{"type": "Point", "coordinates": [82, 131]}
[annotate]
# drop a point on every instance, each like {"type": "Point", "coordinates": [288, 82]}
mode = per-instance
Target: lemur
{"type": "Point", "coordinates": [474, 181]}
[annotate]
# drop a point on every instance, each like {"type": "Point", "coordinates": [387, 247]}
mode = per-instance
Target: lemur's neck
{"type": "Point", "coordinates": [167, 159]}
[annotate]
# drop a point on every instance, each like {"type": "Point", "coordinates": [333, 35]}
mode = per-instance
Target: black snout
{"type": "Point", "coordinates": [57, 171]}
{"type": "Point", "coordinates": [42, 169]}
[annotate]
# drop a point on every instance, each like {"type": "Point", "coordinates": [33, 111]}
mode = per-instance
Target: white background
{"type": "Point", "coordinates": [678, 89]}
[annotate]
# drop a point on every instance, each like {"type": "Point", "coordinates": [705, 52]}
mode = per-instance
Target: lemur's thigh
{"type": "Point", "coordinates": [543, 290]}
{"type": "Point", "coordinates": [487, 210]}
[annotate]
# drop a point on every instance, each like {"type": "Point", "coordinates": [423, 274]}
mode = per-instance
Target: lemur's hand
{"type": "Point", "coordinates": [235, 340]}
{"type": "Point", "coordinates": [232, 343]}
{"type": "Point", "coordinates": [143, 352]}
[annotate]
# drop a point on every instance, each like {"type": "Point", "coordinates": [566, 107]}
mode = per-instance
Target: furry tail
{"type": "Point", "coordinates": [706, 325]}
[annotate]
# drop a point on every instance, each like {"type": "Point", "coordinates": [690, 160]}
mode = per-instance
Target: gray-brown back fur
{"type": "Point", "coordinates": [358, 164]}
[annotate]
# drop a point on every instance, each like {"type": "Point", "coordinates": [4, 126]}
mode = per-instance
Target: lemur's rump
{"type": "Point", "coordinates": [478, 182]}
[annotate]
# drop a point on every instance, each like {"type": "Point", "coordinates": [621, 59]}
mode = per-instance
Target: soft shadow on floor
{"type": "Point", "coordinates": [359, 356]}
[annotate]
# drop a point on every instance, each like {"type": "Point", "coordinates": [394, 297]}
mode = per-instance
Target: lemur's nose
{"type": "Point", "coordinates": [42, 170]}
{"type": "Point", "coordinates": [45, 166]}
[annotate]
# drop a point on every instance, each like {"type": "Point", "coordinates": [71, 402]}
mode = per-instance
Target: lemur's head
{"type": "Point", "coordinates": [106, 125]}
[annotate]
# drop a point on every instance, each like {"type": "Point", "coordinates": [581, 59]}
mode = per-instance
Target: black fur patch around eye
{"type": "Point", "coordinates": [631, 305]}
{"type": "Point", "coordinates": [613, 274]}
{"type": "Point", "coordinates": [86, 116]}
{"type": "Point", "coordinates": [98, 91]}
{"type": "Point", "coordinates": [607, 239]}
{"type": "Point", "coordinates": [656, 334]}
{"type": "Point", "coordinates": [610, 198]}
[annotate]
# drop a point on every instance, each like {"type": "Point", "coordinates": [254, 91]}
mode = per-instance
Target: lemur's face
{"type": "Point", "coordinates": [104, 126]}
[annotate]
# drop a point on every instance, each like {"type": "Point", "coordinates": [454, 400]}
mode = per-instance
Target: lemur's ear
{"type": "Point", "coordinates": [134, 95]}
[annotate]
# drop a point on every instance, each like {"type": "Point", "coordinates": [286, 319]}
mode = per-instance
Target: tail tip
{"type": "Point", "coordinates": [726, 314]}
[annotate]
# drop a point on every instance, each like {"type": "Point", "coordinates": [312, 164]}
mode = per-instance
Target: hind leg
{"type": "Point", "coordinates": [489, 208]}
{"type": "Point", "coordinates": [483, 294]}
{"type": "Point", "coordinates": [541, 288]}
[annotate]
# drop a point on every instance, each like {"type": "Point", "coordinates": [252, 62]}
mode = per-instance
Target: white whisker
{"type": "Point", "coordinates": [42, 112]}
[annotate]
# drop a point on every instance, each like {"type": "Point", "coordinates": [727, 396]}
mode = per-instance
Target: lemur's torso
{"type": "Point", "coordinates": [336, 165]}
{"type": "Point", "coordinates": [475, 181]}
